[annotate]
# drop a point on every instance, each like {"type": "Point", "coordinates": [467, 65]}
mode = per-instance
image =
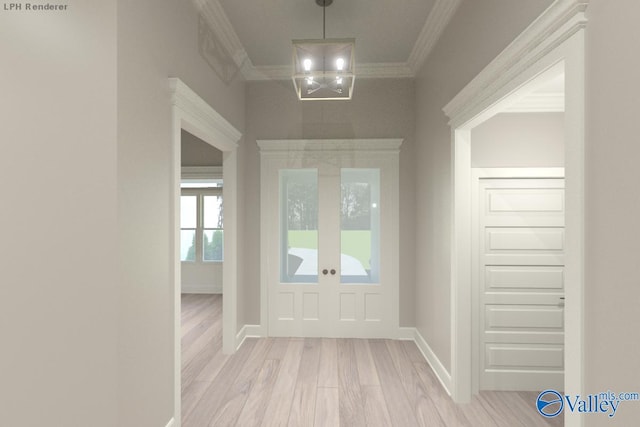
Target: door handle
{"type": "Point", "coordinates": [333, 272]}
{"type": "Point", "coordinates": [325, 271]}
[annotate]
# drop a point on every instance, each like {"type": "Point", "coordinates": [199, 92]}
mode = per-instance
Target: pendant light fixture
{"type": "Point", "coordinates": [323, 69]}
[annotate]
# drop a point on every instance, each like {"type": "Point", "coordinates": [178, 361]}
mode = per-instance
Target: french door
{"type": "Point", "coordinates": [330, 237]}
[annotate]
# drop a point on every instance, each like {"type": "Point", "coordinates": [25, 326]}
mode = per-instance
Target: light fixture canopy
{"type": "Point", "coordinates": [323, 69]}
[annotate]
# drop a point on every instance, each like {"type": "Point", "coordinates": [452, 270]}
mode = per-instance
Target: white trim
{"type": "Point", "coordinates": [557, 36]}
{"type": "Point", "coordinates": [438, 368]}
{"type": "Point", "coordinates": [193, 114]}
{"type": "Point", "coordinates": [219, 23]}
{"type": "Point", "coordinates": [171, 423]}
{"type": "Point", "coordinates": [438, 19]}
{"type": "Point", "coordinates": [538, 103]}
{"type": "Point", "coordinates": [406, 333]}
{"type": "Point", "coordinates": [371, 145]}
{"type": "Point", "coordinates": [202, 289]}
{"type": "Point", "coordinates": [204, 122]}
{"type": "Point", "coordinates": [249, 331]}
{"type": "Point", "coordinates": [556, 24]}
{"type": "Point", "coordinates": [201, 172]}
{"type": "Point", "coordinates": [554, 172]}
{"type": "Point", "coordinates": [412, 334]}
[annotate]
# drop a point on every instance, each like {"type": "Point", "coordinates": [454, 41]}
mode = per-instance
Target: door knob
{"type": "Point", "coordinates": [325, 271]}
{"type": "Point", "coordinates": [333, 272]}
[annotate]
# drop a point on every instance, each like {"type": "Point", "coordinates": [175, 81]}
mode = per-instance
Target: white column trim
{"type": "Point", "coordinates": [193, 114]}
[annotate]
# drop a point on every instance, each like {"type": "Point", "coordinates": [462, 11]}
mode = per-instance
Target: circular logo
{"type": "Point", "coordinates": [549, 403]}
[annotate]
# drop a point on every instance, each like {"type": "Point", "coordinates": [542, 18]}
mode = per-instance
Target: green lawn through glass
{"type": "Point", "coordinates": [355, 243]}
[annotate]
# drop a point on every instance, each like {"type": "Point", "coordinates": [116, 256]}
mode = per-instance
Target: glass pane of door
{"type": "Point", "coordinates": [299, 226]}
{"type": "Point", "coordinates": [360, 226]}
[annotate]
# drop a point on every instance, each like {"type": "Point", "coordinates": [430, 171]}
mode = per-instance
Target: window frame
{"type": "Point", "coordinates": [200, 193]}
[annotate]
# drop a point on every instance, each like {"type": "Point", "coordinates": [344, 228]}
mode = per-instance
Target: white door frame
{"type": "Point", "coordinates": [193, 114]}
{"type": "Point", "coordinates": [477, 174]}
{"type": "Point", "coordinates": [556, 37]}
{"type": "Point", "coordinates": [283, 149]}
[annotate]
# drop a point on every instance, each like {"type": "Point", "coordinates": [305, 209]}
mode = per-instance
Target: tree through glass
{"type": "Point", "coordinates": [360, 226]}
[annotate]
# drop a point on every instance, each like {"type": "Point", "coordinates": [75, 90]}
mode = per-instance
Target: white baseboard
{"type": "Point", "coordinates": [171, 423]}
{"type": "Point", "coordinates": [438, 368]}
{"type": "Point", "coordinates": [248, 331]}
{"type": "Point", "coordinates": [201, 289]}
{"type": "Point", "coordinates": [406, 334]}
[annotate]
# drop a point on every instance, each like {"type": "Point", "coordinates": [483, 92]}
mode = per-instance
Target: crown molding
{"type": "Point", "coordinates": [438, 19]}
{"type": "Point", "coordinates": [560, 21]}
{"type": "Point", "coordinates": [215, 16]}
{"type": "Point", "coordinates": [538, 103]}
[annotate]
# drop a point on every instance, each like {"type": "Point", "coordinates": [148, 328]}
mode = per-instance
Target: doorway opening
{"type": "Point", "coordinates": [544, 45]}
{"type": "Point", "coordinates": [192, 115]}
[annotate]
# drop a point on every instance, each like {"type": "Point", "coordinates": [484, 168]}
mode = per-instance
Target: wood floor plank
{"type": "Point", "coordinates": [351, 404]}
{"type": "Point", "coordinates": [423, 407]}
{"type": "Point", "coordinates": [213, 366]}
{"type": "Point", "coordinates": [191, 369]}
{"type": "Point", "coordinates": [328, 371]}
{"type": "Point", "coordinates": [446, 407]}
{"type": "Point", "coordinates": [252, 387]}
{"type": "Point", "coordinates": [208, 405]}
{"type": "Point", "coordinates": [327, 407]}
{"type": "Point", "coordinates": [367, 372]}
{"type": "Point", "coordinates": [256, 405]}
{"type": "Point", "coordinates": [529, 400]}
{"type": "Point", "coordinates": [413, 352]}
{"type": "Point", "coordinates": [195, 307]}
{"type": "Point", "coordinates": [192, 394]}
{"type": "Point", "coordinates": [400, 411]}
{"type": "Point", "coordinates": [375, 407]}
{"type": "Point", "coordinates": [303, 407]}
{"type": "Point", "coordinates": [278, 349]}
{"type": "Point", "coordinates": [204, 340]}
{"type": "Point", "coordinates": [278, 409]}
{"type": "Point", "coordinates": [499, 412]}
{"type": "Point", "coordinates": [476, 413]}
{"type": "Point", "coordinates": [236, 396]}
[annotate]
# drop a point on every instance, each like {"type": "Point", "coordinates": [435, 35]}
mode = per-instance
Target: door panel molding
{"type": "Point", "coordinates": [362, 302]}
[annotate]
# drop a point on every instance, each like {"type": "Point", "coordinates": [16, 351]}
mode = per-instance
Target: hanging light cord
{"type": "Point", "coordinates": [324, 13]}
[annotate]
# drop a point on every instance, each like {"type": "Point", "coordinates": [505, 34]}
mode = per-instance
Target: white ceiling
{"type": "Point", "coordinates": [393, 37]}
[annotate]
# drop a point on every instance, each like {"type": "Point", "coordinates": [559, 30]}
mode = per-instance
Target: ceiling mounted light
{"type": "Point", "coordinates": [323, 68]}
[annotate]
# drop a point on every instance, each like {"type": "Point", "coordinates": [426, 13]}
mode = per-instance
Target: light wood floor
{"type": "Point", "coordinates": [323, 382]}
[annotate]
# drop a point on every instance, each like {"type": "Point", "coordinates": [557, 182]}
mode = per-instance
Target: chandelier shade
{"type": "Point", "coordinates": [324, 69]}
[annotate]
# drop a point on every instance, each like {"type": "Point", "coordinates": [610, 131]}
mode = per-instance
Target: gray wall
{"type": "Point", "coordinates": [196, 152]}
{"type": "Point", "coordinates": [612, 208]}
{"type": "Point", "coordinates": [58, 262]}
{"type": "Point", "coordinates": [519, 140]}
{"type": "Point", "coordinates": [157, 39]}
{"type": "Point", "coordinates": [612, 204]}
{"type": "Point", "coordinates": [380, 108]}
{"type": "Point", "coordinates": [477, 33]}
